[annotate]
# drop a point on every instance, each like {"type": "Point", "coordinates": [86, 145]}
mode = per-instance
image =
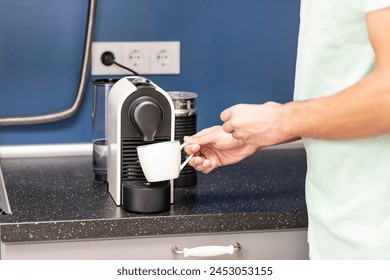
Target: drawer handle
{"type": "Point", "coordinates": [207, 251]}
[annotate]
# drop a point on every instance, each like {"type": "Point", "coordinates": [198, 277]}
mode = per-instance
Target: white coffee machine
{"type": "Point", "coordinates": [139, 112]}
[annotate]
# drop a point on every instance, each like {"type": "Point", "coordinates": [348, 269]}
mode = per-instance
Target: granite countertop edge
{"type": "Point", "coordinates": [152, 226]}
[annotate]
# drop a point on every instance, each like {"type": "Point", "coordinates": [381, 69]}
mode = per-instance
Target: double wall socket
{"type": "Point", "coordinates": [142, 57]}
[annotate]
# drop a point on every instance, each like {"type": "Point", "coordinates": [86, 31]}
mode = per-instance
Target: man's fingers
{"type": "Point", "coordinates": [192, 148]}
{"type": "Point", "coordinates": [201, 139]}
{"type": "Point", "coordinates": [227, 127]}
{"type": "Point", "coordinates": [226, 115]}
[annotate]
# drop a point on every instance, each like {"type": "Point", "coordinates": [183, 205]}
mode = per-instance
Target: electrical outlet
{"type": "Point", "coordinates": [136, 56]}
{"type": "Point", "coordinates": [142, 57]}
{"type": "Point", "coordinates": [165, 58]}
{"type": "Point", "coordinates": [97, 67]}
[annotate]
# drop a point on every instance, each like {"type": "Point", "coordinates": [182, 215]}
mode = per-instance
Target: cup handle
{"type": "Point", "coordinates": [187, 159]}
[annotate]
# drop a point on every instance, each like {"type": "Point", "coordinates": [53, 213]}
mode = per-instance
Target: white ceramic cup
{"type": "Point", "coordinates": [161, 161]}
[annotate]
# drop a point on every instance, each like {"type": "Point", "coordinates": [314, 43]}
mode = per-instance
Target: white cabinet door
{"type": "Point", "coordinates": [254, 245]}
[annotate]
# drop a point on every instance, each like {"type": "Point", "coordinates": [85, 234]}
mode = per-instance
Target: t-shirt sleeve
{"type": "Point", "coordinates": [373, 5]}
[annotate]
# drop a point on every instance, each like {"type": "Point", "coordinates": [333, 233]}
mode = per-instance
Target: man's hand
{"type": "Point", "coordinates": [212, 148]}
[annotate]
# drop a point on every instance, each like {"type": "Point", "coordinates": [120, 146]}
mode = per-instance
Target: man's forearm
{"type": "Point", "coordinates": [361, 110]}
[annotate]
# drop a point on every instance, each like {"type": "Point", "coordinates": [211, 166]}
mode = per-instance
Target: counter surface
{"type": "Point", "coordinates": [57, 199]}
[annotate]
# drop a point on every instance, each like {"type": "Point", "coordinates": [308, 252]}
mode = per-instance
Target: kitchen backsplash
{"type": "Point", "coordinates": [231, 52]}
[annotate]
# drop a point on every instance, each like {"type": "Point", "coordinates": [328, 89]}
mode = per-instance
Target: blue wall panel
{"type": "Point", "coordinates": [231, 52]}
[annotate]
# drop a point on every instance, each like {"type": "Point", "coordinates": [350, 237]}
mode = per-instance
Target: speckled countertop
{"type": "Point", "coordinates": [57, 199]}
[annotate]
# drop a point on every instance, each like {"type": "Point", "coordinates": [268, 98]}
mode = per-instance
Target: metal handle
{"type": "Point", "coordinates": [207, 251]}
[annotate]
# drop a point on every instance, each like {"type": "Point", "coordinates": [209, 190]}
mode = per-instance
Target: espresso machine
{"type": "Point", "coordinates": [138, 113]}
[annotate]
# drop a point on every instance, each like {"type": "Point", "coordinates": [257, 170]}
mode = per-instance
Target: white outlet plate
{"type": "Point", "coordinates": [143, 57]}
{"type": "Point", "coordinates": [97, 67]}
{"type": "Point", "coordinates": [165, 58]}
{"type": "Point", "coordinates": [136, 56]}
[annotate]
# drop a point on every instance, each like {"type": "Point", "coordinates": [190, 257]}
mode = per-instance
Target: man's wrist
{"type": "Point", "coordinates": [289, 121]}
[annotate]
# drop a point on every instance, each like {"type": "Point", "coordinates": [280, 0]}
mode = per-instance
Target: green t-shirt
{"type": "Point", "coordinates": [348, 181]}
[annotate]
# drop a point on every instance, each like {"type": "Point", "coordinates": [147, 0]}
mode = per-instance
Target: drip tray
{"type": "Point", "coordinates": [4, 203]}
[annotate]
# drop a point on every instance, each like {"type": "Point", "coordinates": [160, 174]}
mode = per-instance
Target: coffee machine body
{"type": "Point", "coordinates": [139, 113]}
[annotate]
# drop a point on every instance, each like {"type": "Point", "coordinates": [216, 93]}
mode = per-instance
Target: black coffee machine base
{"type": "Point", "coordinates": [186, 180]}
{"type": "Point", "coordinates": [143, 197]}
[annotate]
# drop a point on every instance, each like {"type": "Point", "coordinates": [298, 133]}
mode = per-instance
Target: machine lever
{"type": "Point", "coordinates": [147, 116]}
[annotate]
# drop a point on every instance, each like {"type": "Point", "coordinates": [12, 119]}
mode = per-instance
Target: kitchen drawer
{"type": "Point", "coordinates": [281, 244]}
